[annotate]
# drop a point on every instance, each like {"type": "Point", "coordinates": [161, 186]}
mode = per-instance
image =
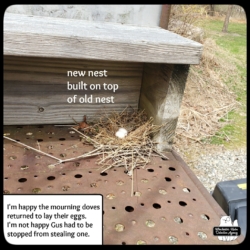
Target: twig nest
{"type": "Point", "coordinates": [121, 133]}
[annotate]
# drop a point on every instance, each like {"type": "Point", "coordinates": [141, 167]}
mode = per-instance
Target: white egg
{"type": "Point", "coordinates": [124, 131]}
{"type": "Point", "coordinates": [121, 133]}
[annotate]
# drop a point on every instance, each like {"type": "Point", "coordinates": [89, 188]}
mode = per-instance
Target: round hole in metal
{"type": "Point", "coordinates": [77, 164]}
{"type": "Point", "coordinates": [90, 172]}
{"type": "Point", "coordinates": [103, 174]}
{"type": "Point", "coordinates": [187, 233]}
{"type": "Point", "coordinates": [156, 206]}
{"type": "Point", "coordinates": [65, 188]}
{"type": "Point", "coordinates": [162, 191]}
{"type": "Point", "coordinates": [167, 179]}
{"type": "Point", "coordinates": [6, 178]}
{"type": "Point", "coordinates": [141, 242]}
{"type": "Point", "coordinates": [12, 157]}
{"type": "Point", "coordinates": [119, 227]}
{"type": "Point", "coordinates": [171, 169]}
{"type": "Point", "coordinates": [63, 174]}
{"type": "Point", "coordinates": [113, 207]}
{"type": "Point", "coordinates": [194, 199]}
{"type": "Point", "coordinates": [172, 239]}
{"type": "Point", "coordinates": [123, 243]}
{"type": "Point", "coordinates": [110, 196]}
{"type": "Point", "coordinates": [182, 203]}
{"type": "Point", "coordinates": [205, 217]}
{"type": "Point", "coordinates": [202, 235]}
{"type": "Point", "coordinates": [22, 180]}
{"type": "Point", "coordinates": [178, 220]}
{"type": "Point", "coordinates": [173, 187]}
{"type": "Point", "coordinates": [150, 223]}
{"type": "Point", "coordinates": [186, 190]}
{"type": "Point", "coordinates": [160, 166]}
{"type": "Point", "coordinates": [78, 176]}
{"type": "Point", "coordinates": [142, 204]}
{"type": "Point", "coordinates": [39, 140]}
{"type": "Point", "coordinates": [51, 178]}
{"type": "Point", "coordinates": [137, 193]}
{"type": "Point", "coordinates": [133, 222]}
{"type": "Point", "coordinates": [93, 184]}
{"type": "Point", "coordinates": [36, 190]}
{"type": "Point", "coordinates": [62, 139]}
{"type": "Point", "coordinates": [35, 176]}
{"type": "Point", "coordinates": [150, 170]}
{"type": "Point", "coordinates": [129, 209]}
{"type": "Point", "coordinates": [169, 201]}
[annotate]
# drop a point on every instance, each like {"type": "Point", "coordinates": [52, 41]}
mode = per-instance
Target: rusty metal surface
{"type": "Point", "coordinates": [169, 206]}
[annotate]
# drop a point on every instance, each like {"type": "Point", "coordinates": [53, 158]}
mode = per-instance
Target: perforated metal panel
{"type": "Point", "coordinates": [169, 205]}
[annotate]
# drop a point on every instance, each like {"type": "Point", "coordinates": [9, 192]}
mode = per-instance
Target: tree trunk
{"type": "Point", "coordinates": [211, 11]}
{"type": "Point", "coordinates": [229, 11]}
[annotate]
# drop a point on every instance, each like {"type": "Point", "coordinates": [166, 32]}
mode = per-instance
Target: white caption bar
{"type": "Point", "coordinates": [53, 219]}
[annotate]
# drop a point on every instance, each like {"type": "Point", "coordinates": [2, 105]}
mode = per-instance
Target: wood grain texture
{"type": "Point", "coordinates": [31, 83]}
{"type": "Point", "coordinates": [70, 38]}
{"type": "Point", "coordinates": [161, 95]}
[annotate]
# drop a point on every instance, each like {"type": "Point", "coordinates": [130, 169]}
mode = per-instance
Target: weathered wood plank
{"type": "Point", "coordinates": [70, 38]}
{"type": "Point", "coordinates": [31, 83]}
{"type": "Point", "coordinates": [161, 95]}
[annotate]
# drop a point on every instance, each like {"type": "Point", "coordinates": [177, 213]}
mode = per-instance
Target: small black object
{"type": "Point", "coordinates": [232, 197]}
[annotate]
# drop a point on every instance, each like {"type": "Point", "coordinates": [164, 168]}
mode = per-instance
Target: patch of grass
{"type": "Point", "coordinates": [216, 25]}
{"type": "Point", "coordinates": [232, 135]}
{"type": "Point", "coordinates": [234, 45]}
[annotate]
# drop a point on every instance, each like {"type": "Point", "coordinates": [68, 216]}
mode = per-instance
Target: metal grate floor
{"type": "Point", "coordinates": [169, 206]}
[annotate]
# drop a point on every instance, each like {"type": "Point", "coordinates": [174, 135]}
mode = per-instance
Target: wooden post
{"type": "Point", "coordinates": [161, 95]}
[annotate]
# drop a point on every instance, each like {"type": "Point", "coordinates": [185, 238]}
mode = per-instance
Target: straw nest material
{"type": "Point", "coordinates": [134, 150]}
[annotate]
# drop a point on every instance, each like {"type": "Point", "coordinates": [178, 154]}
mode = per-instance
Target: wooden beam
{"type": "Point", "coordinates": [36, 92]}
{"type": "Point", "coordinates": [161, 95]}
{"type": "Point", "coordinates": [40, 36]}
